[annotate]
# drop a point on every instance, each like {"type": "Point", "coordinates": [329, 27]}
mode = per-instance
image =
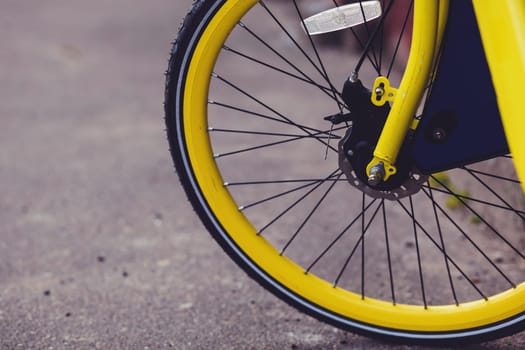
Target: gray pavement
{"type": "Point", "coordinates": [99, 248]}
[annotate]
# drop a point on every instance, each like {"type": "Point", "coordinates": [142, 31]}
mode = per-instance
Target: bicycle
{"type": "Point", "coordinates": [344, 182]}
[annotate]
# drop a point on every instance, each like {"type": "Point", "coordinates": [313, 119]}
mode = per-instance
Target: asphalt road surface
{"type": "Point", "coordinates": [99, 248]}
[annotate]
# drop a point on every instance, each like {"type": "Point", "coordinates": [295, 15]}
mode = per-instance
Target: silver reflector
{"type": "Point", "coordinates": [342, 17]}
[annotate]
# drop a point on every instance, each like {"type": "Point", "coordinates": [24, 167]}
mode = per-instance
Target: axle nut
{"type": "Point", "coordinates": [377, 174]}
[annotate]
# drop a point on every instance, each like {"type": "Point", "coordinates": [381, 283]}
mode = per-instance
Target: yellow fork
{"type": "Point", "coordinates": [429, 24]}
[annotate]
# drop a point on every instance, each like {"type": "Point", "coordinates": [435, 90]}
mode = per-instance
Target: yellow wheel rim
{"type": "Point", "coordinates": [320, 293]}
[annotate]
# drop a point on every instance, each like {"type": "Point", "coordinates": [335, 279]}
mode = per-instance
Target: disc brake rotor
{"type": "Point", "coordinates": [356, 147]}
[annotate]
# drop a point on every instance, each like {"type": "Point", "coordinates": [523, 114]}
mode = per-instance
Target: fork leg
{"type": "Point", "coordinates": [429, 23]}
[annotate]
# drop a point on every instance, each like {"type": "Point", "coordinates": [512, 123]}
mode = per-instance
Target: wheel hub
{"type": "Point", "coordinates": [357, 147]}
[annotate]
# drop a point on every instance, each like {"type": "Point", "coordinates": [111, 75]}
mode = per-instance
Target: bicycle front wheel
{"type": "Point", "coordinates": [259, 124]}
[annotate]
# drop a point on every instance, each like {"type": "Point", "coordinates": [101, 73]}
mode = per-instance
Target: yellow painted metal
{"type": "Point", "coordinates": [442, 23]}
{"type": "Point", "coordinates": [426, 36]}
{"type": "Point", "coordinates": [502, 27]}
{"type": "Point", "coordinates": [388, 93]}
{"type": "Point", "coordinates": [263, 254]}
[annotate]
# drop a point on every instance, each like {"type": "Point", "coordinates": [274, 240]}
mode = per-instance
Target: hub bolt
{"type": "Point", "coordinates": [379, 92]}
{"type": "Point", "coordinates": [377, 174]}
{"type": "Point", "coordinates": [439, 134]}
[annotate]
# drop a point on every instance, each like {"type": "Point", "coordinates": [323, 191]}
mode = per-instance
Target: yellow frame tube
{"type": "Point", "coordinates": [429, 23]}
{"type": "Point", "coordinates": [502, 27]}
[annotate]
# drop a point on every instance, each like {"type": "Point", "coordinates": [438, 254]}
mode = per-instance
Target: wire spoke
{"type": "Point", "coordinates": [269, 108]}
{"type": "Point", "coordinates": [280, 194]}
{"type": "Point", "coordinates": [387, 242]}
{"type": "Point", "coordinates": [296, 44]}
{"type": "Point", "coordinates": [321, 64]}
{"type": "Point", "coordinates": [371, 39]}
{"type": "Point", "coordinates": [263, 133]}
{"type": "Point", "coordinates": [381, 42]}
{"type": "Point", "coordinates": [278, 54]}
{"type": "Point", "coordinates": [464, 203]}
{"type": "Point", "coordinates": [266, 182]}
{"type": "Point", "coordinates": [472, 199]}
{"type": "Point", "coordinates": [286, 60]}
{"type": "Point", "coordinates": [357, 244]}
{"type": "Point", "coordinates": [471, 241]}
{"type": "Point", "coordinates": [304, 79]}
{"type": "Point", "coordinates": [363, 230]}
{"type": "Point", "coordinates": [442, 241]}
{"type": "Point", "coordinates": [317, 185]}
{"type": "Point", "coordinates": [263, 116]}
{"type": "Point", "coordinates": [339, 236]}
{"type": "Point", "coordinates": [440, 249]}
{"type": "Point", "coordinates": [371, 36]}
{"type": "Point", "coordinates": [359, 41]}
{"type": "Point", "coordinates": [314, 209]}
{"type": "Point", "coordinates": [493, 175]}
{"type": "Point", "coordinates": [419, 265]}
{"type": "Point", "coordinates": [399, 39]}
{"type": "Point", "coordinates": [508, 206]}
{"type": "Point", "coordinates": [271, 144]}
